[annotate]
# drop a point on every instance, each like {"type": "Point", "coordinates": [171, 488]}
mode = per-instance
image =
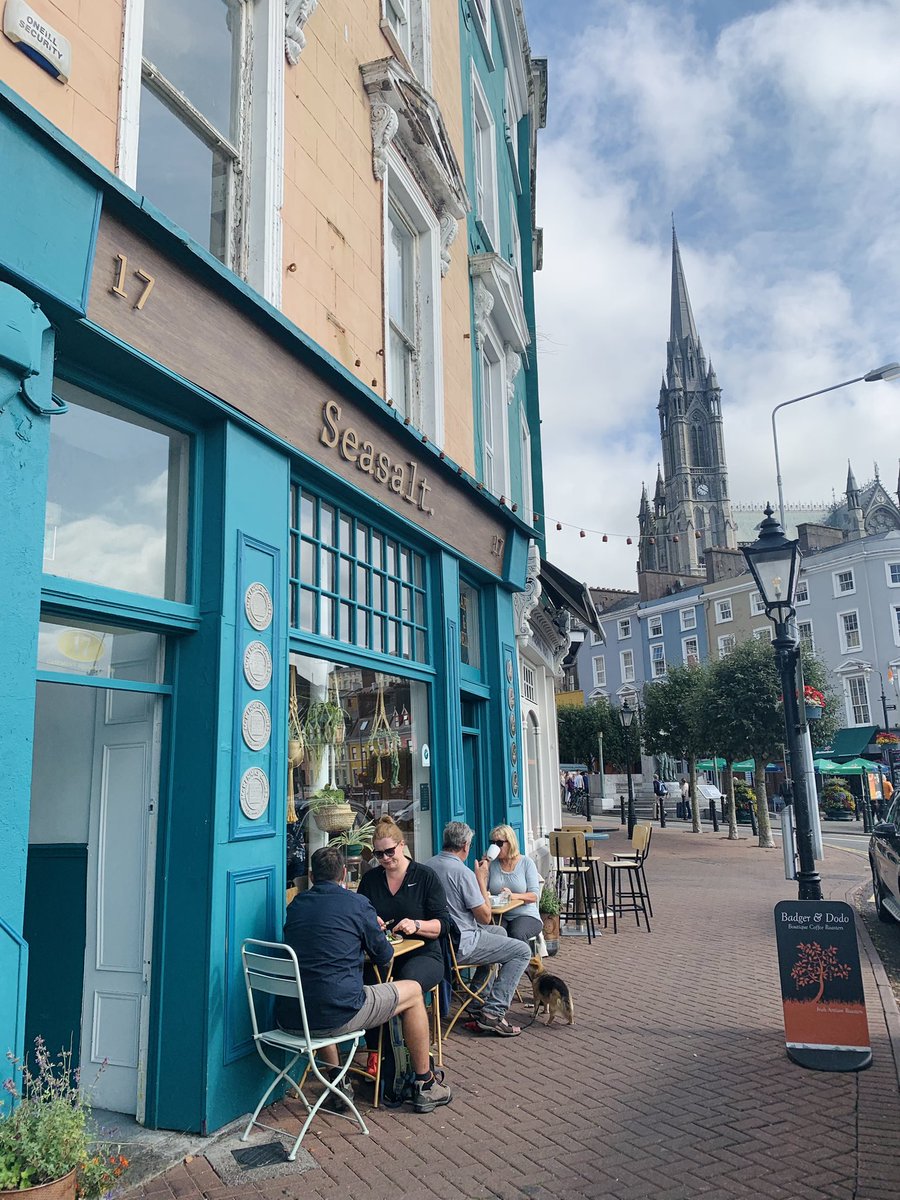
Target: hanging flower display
{"type": "Point", "coordinates": [812, 698]}
{"type": "Point", "coordinates": [887, 739]}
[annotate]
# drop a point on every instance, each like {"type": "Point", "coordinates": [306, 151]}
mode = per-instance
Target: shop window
{"type": "Point", "coordinates": [357, 735]}
{"type": "Point", "coordinates": [353, 583]}
{"type": "Point", "coordinates": [469, 627]}
{"type": "Point", "coordinates": [116, 512]}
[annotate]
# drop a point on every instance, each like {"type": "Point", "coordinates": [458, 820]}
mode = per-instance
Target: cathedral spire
{"type": "Point", "coordinates": [852, 489]}
{"type": "Point", "coordinates": [682, 320]}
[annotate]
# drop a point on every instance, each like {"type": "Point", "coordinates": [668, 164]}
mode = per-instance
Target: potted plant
{"type": "Point", "coordinates": [47, 1148]}
{"type": "Point", "coordinates": [548, 907]}
{"type": "Point", "coordinates": [814, 703]}
{"type": "Point", "coordinates": [330, 811]}
{"type": "Point", "coordinates": [837, 801]}
{"type": "Point", "coordinates": [354, 840]}
{"type": "Point", "coordinates": [744, 802]}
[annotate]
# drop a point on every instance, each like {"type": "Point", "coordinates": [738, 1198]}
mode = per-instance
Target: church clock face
{"type": "Point", "coordinates": [702, 489]}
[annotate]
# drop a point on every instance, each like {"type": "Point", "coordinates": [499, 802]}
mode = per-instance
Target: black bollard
{"type": "Point", "coordinates": [714, 816]}
{"type": "Point", "coordinates": [662, 814]}
{"type": "Point", "coordinates": [622, 810]}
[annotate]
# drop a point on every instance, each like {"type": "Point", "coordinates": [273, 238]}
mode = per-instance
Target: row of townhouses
{"type": "Point", "coordinates": [270, 463]}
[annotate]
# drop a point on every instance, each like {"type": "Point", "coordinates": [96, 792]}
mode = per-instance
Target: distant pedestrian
{"type": "Point", "coordinates": [685, 799]}
{"type": "Point", "coordinates": [660, 791]}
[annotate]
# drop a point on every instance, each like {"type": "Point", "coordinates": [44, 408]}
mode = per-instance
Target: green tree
{"type": "Point", "coordinates": [743, 715]}
{"type": "Point", "coordinates": [579, 726]}
{"type": "Point", "coordinates": [672, 722]}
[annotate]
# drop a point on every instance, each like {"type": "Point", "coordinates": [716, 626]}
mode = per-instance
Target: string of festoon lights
{"type": "Point", "coordinates": [629, 539]}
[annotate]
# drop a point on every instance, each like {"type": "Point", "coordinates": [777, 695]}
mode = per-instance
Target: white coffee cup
{"type": "Point", "coordinates": [491, 853]}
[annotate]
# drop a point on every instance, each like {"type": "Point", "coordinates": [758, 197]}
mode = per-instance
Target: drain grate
{"type": "Point", "coordinates": [266, 1155]}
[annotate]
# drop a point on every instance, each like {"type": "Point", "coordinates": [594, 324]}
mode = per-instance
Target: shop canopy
{"type": "Point", "coordinates": [565, 592]}
{"type": "Point", "coordinates": [851, 742]}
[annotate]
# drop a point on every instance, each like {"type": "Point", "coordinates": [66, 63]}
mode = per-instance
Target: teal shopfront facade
{"type": "Point", "coordinates": [208, 524]}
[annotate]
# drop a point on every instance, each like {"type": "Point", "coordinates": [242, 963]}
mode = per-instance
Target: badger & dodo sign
{"type": "Point", "coordinates": [825, 1026]}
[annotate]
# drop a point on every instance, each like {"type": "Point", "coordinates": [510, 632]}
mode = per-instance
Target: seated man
{"type": "Point", "coordinates": [330, 929]}
{"type": "Point", "coordinates": [480, 942]}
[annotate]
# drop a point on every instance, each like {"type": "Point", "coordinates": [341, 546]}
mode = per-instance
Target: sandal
{"type": "Point", "coordinates": [498, 1026]}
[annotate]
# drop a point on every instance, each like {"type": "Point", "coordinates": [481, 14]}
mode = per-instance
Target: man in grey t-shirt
{"type": "Point", "coordinates": [480, 942]}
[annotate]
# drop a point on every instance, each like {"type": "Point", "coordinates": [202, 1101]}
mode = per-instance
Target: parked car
{"type": "Point", "coordinates": [884, 859]}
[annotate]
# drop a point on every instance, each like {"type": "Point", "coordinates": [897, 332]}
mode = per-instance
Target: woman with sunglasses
{"type": "Point", "coordinates": [515, 875]}
{"type": "Point", "coordinates": [410, 900]}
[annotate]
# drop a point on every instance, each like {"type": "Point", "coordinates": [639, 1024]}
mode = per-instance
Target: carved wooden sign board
{"type": "Point", "coordinates": [153, 304]}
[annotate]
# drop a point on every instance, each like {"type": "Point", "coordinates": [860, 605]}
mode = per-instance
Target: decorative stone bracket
{"type": "Point", "coordinates": [296, 14]}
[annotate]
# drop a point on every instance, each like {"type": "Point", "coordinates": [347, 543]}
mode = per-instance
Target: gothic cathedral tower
{"type": "Point", "coordinates": [691, 511]}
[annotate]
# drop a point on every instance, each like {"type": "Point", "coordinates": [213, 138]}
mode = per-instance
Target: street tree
{"type": "Point", "coordinates": [742, 712]}
{"type": "Point", "coordinates": [672, 722]}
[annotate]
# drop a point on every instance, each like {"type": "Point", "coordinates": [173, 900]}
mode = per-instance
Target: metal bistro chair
{"type": "Point", "coordinates": [458, 983]}
{"type": "Point", "coordinates": [641, 837]}
{"type": "Point", "coordinates": [574, 866]}
{"type": "Point", "coordinates": [271, 969]}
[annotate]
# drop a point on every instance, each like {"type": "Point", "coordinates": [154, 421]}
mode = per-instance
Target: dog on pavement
{"type": "Point", "coordinates": [550, 993]}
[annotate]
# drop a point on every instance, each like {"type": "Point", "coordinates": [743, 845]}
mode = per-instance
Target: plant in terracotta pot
{"type": "Point", "coordinates": [548, 907]}
{"type": "Point", "coordinates": [47, 1147]}
{"type": "Point", "coordinates": [330, 811]}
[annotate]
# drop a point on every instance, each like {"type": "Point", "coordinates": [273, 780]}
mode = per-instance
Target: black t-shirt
{"type": "Point", "coordinates": [420, 897]}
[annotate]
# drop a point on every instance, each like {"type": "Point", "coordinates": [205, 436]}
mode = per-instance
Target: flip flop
{"type": "Point", "coordinates": [498, 1026]}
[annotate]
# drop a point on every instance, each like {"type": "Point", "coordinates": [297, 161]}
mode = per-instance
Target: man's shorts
{"type": "Point", "coordinates": [381, 1002]}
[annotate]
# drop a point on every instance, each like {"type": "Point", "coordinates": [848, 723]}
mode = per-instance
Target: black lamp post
{"type": "Point", "coordinates": [626, 716]}
{"type": "Point", "coordinates": [774, 562]}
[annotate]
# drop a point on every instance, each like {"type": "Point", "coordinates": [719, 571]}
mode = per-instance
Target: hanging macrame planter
{"type": "Point", "coordinates": [383, 741]}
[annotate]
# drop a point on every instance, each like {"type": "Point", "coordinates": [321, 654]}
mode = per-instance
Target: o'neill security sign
{"type": "Point", "coordinates": [37, 39]}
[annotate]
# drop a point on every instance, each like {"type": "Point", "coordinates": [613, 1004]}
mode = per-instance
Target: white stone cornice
{"type": "Point", "coordinates": [501, 280]}
{"type": "Point", "coordinates": [296, 14]}
{"type": "Point", "coordinates": [449, 230]}
{"type": "Point", "coordinates": [420, 135]}
{"type": "Point", "coordinates": [526, 601]}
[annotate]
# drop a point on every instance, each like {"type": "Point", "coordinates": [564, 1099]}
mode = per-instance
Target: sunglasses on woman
{"type": "Point", "coordinates": [388, 853]}
{"type": "Point", "coordinates": [499, 844]}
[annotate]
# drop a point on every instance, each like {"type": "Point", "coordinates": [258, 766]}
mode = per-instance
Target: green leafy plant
{"type": "Point", "coordinates": [837, 797]}
{"type": "Point", "coordinates": [360, 835]}
{"type": "Point", "coordinates": [45, 1130]}
{"type": "Point", "coordinates": [325, 797]}
{"type": "Point", "coordinates": [744, 797]}
{"type": "Point", "coordinates": [548, 902]}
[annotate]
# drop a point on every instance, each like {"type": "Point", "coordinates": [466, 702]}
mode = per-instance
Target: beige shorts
{"type": "Point", "coordinates": [382, 1001]}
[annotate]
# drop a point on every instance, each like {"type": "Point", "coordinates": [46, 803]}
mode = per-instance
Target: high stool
{"type": "Point", "coordinates": [619, 902]}
{"type": "Point", "coordinates": [573, 866]}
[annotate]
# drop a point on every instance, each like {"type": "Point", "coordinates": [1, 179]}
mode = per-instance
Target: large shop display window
{"type": "Point", "coordinates": [116, 498]}
{"type": "Point", "coordinates": [358, 749]}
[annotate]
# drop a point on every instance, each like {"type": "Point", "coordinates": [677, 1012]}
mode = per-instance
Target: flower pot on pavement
{"type": "Point", "coordinates": [551, 932]}
{"type": "Point", "coordinates": [57, 1189]}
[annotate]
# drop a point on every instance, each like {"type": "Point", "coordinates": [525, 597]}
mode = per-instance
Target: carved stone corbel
{"type": "Point", "coordinates": [484, 303]}
{"type": "Point", "coordinates": [513, 366]}
{"type": "Point", "coordinates": [296, 14]}
{"type": "Point", "coordinates": [449, 230]}
{"type": "Point", "coordinates": [384, 125]}
{"type": "Point", "coordinates": [526, 601]}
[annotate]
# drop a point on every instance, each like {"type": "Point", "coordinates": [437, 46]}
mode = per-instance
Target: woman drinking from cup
{"type": "Point", "coordinates": [514, 875]}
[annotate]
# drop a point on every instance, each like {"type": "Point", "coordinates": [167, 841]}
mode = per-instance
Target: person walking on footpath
{"type": "Point", "coordinates": [660, 791]}
{"type": "Point", "coordinates": [685, 800]}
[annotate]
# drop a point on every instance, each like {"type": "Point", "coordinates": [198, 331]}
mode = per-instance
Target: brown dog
{"type": "Point", "coordinates": [550, 993]}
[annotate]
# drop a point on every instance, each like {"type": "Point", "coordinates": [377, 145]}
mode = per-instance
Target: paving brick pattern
{"type": "Point", "coordinates": [672, 1084]}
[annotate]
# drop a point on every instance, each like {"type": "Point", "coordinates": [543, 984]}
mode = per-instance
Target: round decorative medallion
{"type": "Point", "coordinates": [511, 698]}
{"type": "Point", "coordinates": [256, 725]}
{"type": "Point", "coordinates": [509, 670]}
{"type": "Point", "coordinates": [254, 793]}
{"type": "Point", "coordinates": [257, 665]}
{"type": "Point", "coordinates": [512, 724]}
{"type": "Point", "coordinates": [515, 783]}
{"type": "Point", "coordinates": [258, 606]}
{"type": "Point", "coordinates": [514, 753]}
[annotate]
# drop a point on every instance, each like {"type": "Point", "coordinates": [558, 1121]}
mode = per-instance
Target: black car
{"type": "Point", "coordinates": [884, 859]}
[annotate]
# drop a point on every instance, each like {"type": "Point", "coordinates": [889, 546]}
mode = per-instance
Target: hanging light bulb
{"type": "Point", "coordinates": [698, 535]}
{"type": "Point", "coordinates": [653, 541]}
{"type": "Point", "coordinates": [559, 525]}
{"type": "Point", "coordinates": [605, 538]}
{"type": "Point", "coordinates": [582, 534]}
{"type": "Point", "coordinates": [628, 541]}
{"type": "Point", "coordinates": [675, 538]}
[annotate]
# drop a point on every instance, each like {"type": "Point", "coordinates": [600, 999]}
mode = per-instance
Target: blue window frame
{"type": "Point", "coordinates": [353, 583]}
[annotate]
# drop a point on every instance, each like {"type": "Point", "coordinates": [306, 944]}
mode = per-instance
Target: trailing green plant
{"type": "Point", "coordinates": [45, 1129]}
{"type": "Point", "coordinates": [548, 902]}
{"type": "Point", "coordinates": [359, 835]}
{"type": "Point", "coordinates": [744, 796]}
{"type": "Point", "coordinates": [325, 797]}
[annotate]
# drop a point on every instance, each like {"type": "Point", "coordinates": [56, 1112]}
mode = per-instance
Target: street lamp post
{"type": "Point", "coordinates": [888, 371]}
{"type": "Point", "coordinates": [774, 563]}
{"type": "Point", "coordinates": [626, 716]}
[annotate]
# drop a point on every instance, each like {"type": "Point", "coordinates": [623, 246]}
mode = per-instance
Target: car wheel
{"type": "Point", "coordinates": [881, 912]}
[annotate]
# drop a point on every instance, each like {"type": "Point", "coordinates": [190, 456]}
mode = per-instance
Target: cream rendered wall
{"type": "Point", "coordinates": [86, 109]}
{"type": "Point", "coordinates": [333, 212]}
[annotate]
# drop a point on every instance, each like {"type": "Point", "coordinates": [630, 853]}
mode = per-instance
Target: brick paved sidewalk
{"type": "Point", "coordinates": [673, 1083]}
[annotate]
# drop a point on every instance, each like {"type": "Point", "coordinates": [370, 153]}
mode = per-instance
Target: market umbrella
{"type": "Point", "coordinates": [711, 764]}
{"type": "Point", "coordinates": [856, 766]}
{"type": "Point", "coordinates": [747, 765]}
{"type": "Point", "coordinates": [826, 767]}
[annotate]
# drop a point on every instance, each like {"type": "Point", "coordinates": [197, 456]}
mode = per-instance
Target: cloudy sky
{"type": "Point", "coordinates": [772, 131]}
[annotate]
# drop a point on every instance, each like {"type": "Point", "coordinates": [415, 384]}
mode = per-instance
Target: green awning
{"type": "Point", "coordinates": [711, 764]}
{"type": "Point", "coordinates": [847, 743]}
{"type": "Point", "coordinates": [747, 765]}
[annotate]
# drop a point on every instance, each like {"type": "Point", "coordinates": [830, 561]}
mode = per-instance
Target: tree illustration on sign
{"type": "Point", "coordinates": [816, 965]}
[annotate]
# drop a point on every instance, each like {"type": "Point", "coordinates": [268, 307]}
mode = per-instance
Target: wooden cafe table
{"type": "Point", "coordinates": [499, 911]}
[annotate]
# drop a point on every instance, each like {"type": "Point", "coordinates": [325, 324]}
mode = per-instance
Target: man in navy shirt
{"type": "Point", "coordinates": [330, 930]}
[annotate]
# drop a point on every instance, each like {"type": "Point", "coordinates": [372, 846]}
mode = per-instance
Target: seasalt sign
{"type": "Point", "coordinates": [399, 477]}
{"type": "Point", "coordinates": [37, 39]}
{"type": "Point", "coordinates": [825, 1026]}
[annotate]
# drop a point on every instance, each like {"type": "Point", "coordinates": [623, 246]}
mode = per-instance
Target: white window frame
{"type": "Point", "coordinates": [802, 597]}
{"type": "Point", "coordinates": [404, 195]}
{"type": "Point", "coordinates": [494, 452]}
{"type": "Point", "coordinates": [764, 633]}
{"type": "Point", "coordinates": [511, 129]}
{"type": "Point", "coordinates": [810, 638]}
{"type": "Point", "coordinates": [598, 669]}
{"type": "Point", "coordinates": [840, 591]}
{"type": "Point", "coordinates": [895, 623]}
{"type": "Point", "coordinates": [525, 448]}
{"type": "Point", "coordinates": [626, 668]}
{"type": "Point", "coordinates": [721, 605]}
{"type": "Point", "coordinates": [481, 16]}
{"type": "Point", "coordinates": [687, 653]}
{"type": "Point", "coordinates": [529, 691]}
{"type": "Point", "coordinates": [407, 26]}
{"type": "Point", "coordinates": [484, 164]}
{"type": "Point", "coordinates": [624, 623]}
{"type": "Point", "coordinates": [658, 665]}
{"type": "Point", "coordinates": [255, 232]}
{"type": "Point", "coordinates": [655, 626]}
{"type": "Point", "coordinates": [726, 644]}
{"type": "Point", "coordinates": [846, 648]}
{"type": "Point", "coordinates": [516, 239]}
{"type": "Point", "coordinates": [862, 703]}
{"type": "Point", "coordinates": [757, 607]}
{"type": "Point", "coordinates": [891, 582]}
{"type": "Point", "coordinates": [688, 618]}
